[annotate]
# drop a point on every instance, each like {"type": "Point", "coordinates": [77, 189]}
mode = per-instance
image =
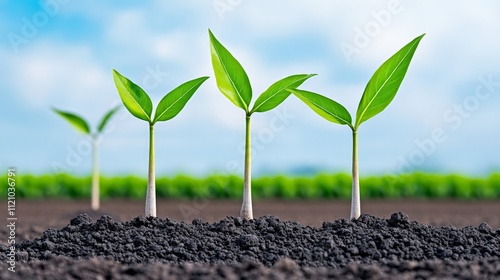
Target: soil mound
{"type": "Point", "coordinates": [369, 247]}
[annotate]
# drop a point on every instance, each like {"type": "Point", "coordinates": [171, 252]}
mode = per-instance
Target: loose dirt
{"type": "Point", "coordinates": [34, 217]}
{"type": "Point", "coordinates": [457, 244]}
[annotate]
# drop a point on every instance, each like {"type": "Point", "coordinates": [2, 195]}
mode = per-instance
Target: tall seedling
{"type": "Point", "coordinates": [82, 126]}
{"type": "Point", "coordinates": [233, 82]}
{"type": "Point", "coordinates": [378, 94]}
{"type": "Point", "coordinates": [138, 103]}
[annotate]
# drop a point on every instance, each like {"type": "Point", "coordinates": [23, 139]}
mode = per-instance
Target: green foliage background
{"type": "Point", "coordinates": [332, 186]}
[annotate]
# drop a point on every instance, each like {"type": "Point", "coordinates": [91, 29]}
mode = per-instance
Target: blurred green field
{"type": "Point", "coordinates": [335, 186]}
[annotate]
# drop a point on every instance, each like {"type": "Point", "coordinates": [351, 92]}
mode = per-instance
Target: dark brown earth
{"type": "Point", "coordinates": [382, 245]}
{"type": "Point", "coordinates": [35, 216]}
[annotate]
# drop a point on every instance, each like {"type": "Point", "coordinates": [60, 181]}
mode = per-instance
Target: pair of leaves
{"type": "Point", "coordinates": [378, 94]}
{"type": "Point", "coordinates": [138, 103]}
{"type": "Point", "coordinates": [233, 82]}
{"type": "Point", "coordinates": [81, 125]}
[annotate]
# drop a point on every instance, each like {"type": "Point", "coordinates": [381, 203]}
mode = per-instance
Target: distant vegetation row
{"type": "Point", "coordinates": [417, 185]}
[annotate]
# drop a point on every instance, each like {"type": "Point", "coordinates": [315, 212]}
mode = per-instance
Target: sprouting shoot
{"type": "Point", "coordinates": [82, 126]}
{"type": "Point", "coordinates": [233, 82]}
{"type": "Point", "coordinates": [138, 103]}
{"type": "Point", "coordinates": [379, 92]}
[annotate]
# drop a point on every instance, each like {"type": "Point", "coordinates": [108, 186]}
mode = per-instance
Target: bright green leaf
{"type": "Point", "coordinates": [277, 92]}
{"type": "Point", "coordinates": [77, 122]}
{"type": "Point", "coordinates": [231, 78]}
{"type": "Point", "coordinates": [106, 118]}
{"type": "Point", "coordinates": [175, 100]}
{"type": "Point", "coordinates": [135, 99]}
{"type": "Point", "coordinates": [325, 107]}
{"type": "Point", "coordinates": [385, 82]}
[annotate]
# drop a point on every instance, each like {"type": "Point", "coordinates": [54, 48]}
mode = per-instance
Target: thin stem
{"type": "Point", "coordinates": [355, 202]}
{"type": "Point", "coordinates": [246, 208]}
{"type": "Point", "coordinates": [151, 190]}
{"type": "Point", "coordinates": [95, 175]}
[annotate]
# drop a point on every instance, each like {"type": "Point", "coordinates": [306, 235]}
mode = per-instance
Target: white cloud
{"type": "Point", "coordinates": [169, 47]}
{"type": "Point", "coordinates": [52, 74]}
{"type": "Point", "coordinates": [125, 23]}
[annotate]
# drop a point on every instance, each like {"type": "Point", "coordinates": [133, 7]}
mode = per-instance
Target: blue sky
{"type": "Point", "coordinates": [60, 53]}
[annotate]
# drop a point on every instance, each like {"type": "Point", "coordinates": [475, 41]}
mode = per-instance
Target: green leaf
{"type": "Point", "coordinates": [385, 82]}
{"type": "Point", "coordinates": [175, 100]}
{"type": "Point", "coordinates": [231, 78]}
{"type": "Point", "coordinates": [106, 118]}
{"type": "Point", "coordinates": [135, 99]}
{"type": "Point", "coordinates": [325, 107]}
{"type": "Point", "coordinates": [277, 92]}
{"type": "Point", "coordinates": [77, 122]}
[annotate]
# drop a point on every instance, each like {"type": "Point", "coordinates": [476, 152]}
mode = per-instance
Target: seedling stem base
{"type": "Point", "coordinates": [246, 208]}
{"type": "Point", "coordinates": [151, 190]}
{"type": "Point", "coordinates": [355, 203]}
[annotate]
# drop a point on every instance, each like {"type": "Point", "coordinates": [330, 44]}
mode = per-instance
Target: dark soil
{"type": "Point", "coordinates": [36, 216]}
{"type": "Point", "coordinates": [67, 268]}
{"type": "Point", "coordinates": [266, 247]}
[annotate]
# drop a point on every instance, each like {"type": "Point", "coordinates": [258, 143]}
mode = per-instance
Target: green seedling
{"type": "Point", "coordinates": [378, 94]}
{"type": "Point", "coordinates": [138, 103]}
{"type": "Point", "coordinates": [233, 82]}
{"type": "Point", "coordinates": [82, 126]}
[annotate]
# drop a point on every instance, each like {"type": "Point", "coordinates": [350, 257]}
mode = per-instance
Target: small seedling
{"type": "Point", "coordinates": [82, 126]}
{"type": "Point", "coordinates": [138, 103]}
{"type": "Point", "coordinates": [233, 82]}
{"type": "Point", "coordinates": [378, 94]}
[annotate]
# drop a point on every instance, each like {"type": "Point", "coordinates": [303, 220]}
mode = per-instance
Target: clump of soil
{"type": "Point", "coordinates": [66, 268]}
{"type": "Point", "coordinates": [369, 247]}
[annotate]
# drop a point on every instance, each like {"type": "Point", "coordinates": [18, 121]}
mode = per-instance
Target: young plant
{"type": "Point", "coordinates": [379, 92]}
{"type": "Point", "coordinates": [82, 126]}
{"type": "Point", "coordinates": [138, 103]}
{"type": "Point", "coordinates": [233, 82]}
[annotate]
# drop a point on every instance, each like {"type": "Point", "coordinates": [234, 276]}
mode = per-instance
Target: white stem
{"type": "Point", "coordinates": [150, 209]}
{"type": "Point", "coordinates": [355, 202]}
{"type": "Point", "coordinates": [95, 175]}
{"type": "Point", "coordinates": [246, 208]}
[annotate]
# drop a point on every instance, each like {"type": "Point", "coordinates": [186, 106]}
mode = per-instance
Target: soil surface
{"type": "Point", "coordinates": [440, 240]}
{"type": "Point", "coordinates": [35, 216]}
